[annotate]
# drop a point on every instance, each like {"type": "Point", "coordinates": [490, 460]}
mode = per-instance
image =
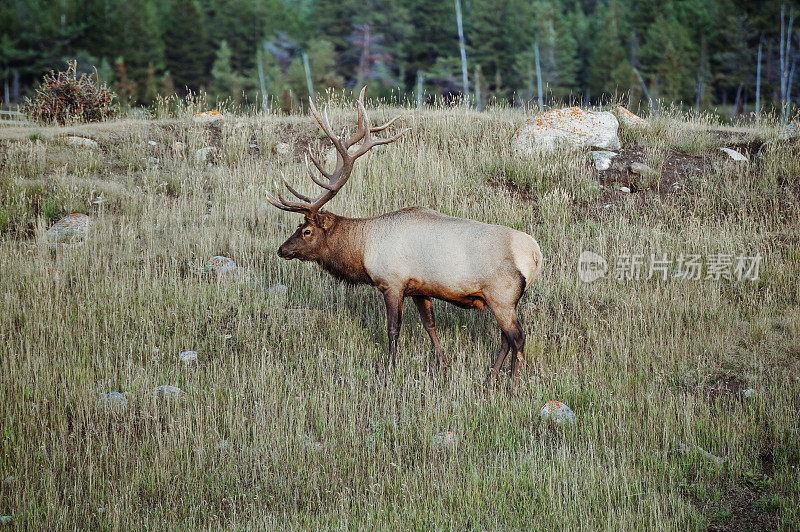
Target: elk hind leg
{"type": "Point", "coordinates": [425, 308]}
{"type": "Point", "coordinates": [514, 338]}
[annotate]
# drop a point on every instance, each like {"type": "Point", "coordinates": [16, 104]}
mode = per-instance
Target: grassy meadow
{"type": "Point", "coordinates": [686, 392]}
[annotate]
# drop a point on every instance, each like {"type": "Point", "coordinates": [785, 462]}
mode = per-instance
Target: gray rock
{"type": "Point", "coordinates": [167, 391]}
{"type": "Point", "coordinates": [735, 155]}
{"type": "Point", "coordinates": [115, 401]}
{"type": "Point", "coordinates": [188, 357]}
{"type": "Point", "coordinates": [602, 159]}
{"type": "Point", "coordinates": [571, 126]}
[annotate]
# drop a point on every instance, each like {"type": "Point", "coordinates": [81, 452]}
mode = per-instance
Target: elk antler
{"type": "Point", "coordinates": [344, 159]}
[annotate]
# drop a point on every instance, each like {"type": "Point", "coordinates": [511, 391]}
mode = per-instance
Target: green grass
{"type": "Point", "coordinates": [641, 363]}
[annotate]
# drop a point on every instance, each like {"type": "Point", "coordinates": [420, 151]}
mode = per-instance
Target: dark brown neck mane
{"type": "Point", "coordinates": [343, 255]}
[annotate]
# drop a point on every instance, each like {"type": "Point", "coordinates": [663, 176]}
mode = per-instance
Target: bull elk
{"type": "Point", "coordinates": [413, 252]}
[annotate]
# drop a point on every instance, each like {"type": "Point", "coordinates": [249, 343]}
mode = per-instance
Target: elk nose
{"type": "Point", "coordinates": [282, 253]}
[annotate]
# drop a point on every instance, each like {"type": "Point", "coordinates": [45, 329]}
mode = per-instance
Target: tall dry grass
{"type": "Point", "coordinates": [647, 366]}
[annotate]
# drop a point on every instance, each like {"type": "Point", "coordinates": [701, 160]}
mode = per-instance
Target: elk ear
{"type": "Point", "coordinates": [323, 220]}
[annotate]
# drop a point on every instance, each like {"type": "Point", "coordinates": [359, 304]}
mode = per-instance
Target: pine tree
{"type": "Point", "coordinates": [609, 69]}
{"type": "Point", "coordinates": [187, 47]}
{"type": "Point", "coordinates": [222, 76]}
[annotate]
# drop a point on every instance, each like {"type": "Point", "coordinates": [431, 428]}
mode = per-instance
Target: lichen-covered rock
{"type": "Point", "coordinates": [207, 117]}
{"type": "Point", "coordinates": [70, 229]}
{"type": "Point", "coordinates": [628, 119]}
{"type": "Point", "coordinates": [220, 264]}
{"type": "Point", "coordinates": [73, 140]}
{"type": "Point", "coordinates": [283, 148]}
{"type": "Point", "coordinates": [178, 146]}
{"type": "Point", "coordinates": [557, 411]}
{"type": "Point", "coordinates": [444, 440]}
{"type": "Point", "coordinates": [572, 126]}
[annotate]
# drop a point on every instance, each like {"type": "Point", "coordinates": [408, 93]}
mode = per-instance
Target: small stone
{"type": "Point", "coordinates": [444, 439]}
{"type": "Point", "coordinates": [279, 291]}
{"type": "Point", "coordinates": [625, 190]}
{"type": "Point", "coordinates": [178, 146]}
{"type": "Point", "coordinates": [8, 480]}
{"type": "Point", "coordinates": [167, 391]}
{"type": "Point", "coordinates": [641, 169]}
{"type": "Point", "coordinates": [735, 155]}
{"type": "Point", "coordinates": [6, 520]}
{"type": "Point", "coordinates": [602, 159]}
{"type": "Point", "coordinates": [283, 148]}
{"type": "Point", "coordinates": [113, 401]}
{"type": "Point", "coordinates": [202, 154]}
{"type": "Point", "coordinates": [152, 143]}
{"type": "Point", "coordinates": [152, 160]}
{"type": "Point", "coordinates": [207, 117]}
{"type": "Point", "coordinates": [70, 229]}
{"type": "Point", "coordinates": [223, 445]}
{"type": "Point", "coordinates": [557, 411]}
{"type": "Point", "coordinates": [219, 264]}
{"type": "Point", "coordinates": [188, 357]}
{"type": "Point", "coordinates": [101, 510]}
{"type": "Point", "coordinates": [80, 141]}
{"type": "Point", "coordinates": [749, 393]}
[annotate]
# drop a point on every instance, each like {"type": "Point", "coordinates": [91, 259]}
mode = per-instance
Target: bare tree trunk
{"type": "Point", "coordinates": [538, 76]}
{"type": "Point", "coordinates": [308, 74]}
{"type": "Point", "coordinates": [420, 81]}
{"type": "Point", "coordinates": [262, 82]}
{"type": "Point", "coordinates": [363, 64]}
{"type": "Point", "coordinates": [462, 47]}
{"type": "Point", "coordinates": [789, 93]}
{"type": "Point", "coordinates": [785, 51]}
{"type": "Point", "coordinates": [477, 81]}
{"type": "Point", "coordinates": [738, 102]}
{"type": "Point", "coordinates": [758, 83]}
{"type": "Point", "coordinates": [646, 92]}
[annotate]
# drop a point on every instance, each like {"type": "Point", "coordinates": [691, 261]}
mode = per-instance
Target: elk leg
{"type": "Point", "coordinates": [425, 308]}
{"type": "Point", "coordinates": [517, 341]}
{"type": "Point", "coordinates": [499, 359]}
{"type": "Point", "coordinates": [514, 343]}
{"type": "Point", "coordinates": [394, 317]}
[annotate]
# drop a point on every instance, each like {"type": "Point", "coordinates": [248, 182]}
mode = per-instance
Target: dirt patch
{"type": "Point", "coordinates": [678, 167]}
{"type": "Point", "coordinates": [741, 507]}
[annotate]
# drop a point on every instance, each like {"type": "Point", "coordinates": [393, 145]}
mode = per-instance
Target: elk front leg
{"type": "Point", "coordinates": [425, 308]}
{"type": "Point", "coordinates": [394, 318]}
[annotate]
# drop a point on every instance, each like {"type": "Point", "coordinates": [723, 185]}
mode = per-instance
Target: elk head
{"type": "Point", "coordinates": [308, 242]}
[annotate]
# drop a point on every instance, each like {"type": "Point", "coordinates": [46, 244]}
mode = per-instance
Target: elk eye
{"type": "Point", "coordinates": [307, 232]}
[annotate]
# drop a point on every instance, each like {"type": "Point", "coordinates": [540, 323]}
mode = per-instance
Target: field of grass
{"type": "Point", "coordinates": [661, 374]}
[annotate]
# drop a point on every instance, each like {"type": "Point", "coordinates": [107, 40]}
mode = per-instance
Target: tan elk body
{"type": "Point", "coordinates": [414, 252]}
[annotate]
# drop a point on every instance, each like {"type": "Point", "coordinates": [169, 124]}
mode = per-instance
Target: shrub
{"type": "Point", "coordinates": [64, 97]}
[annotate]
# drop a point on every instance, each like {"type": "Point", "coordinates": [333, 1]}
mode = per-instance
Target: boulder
{"type": "Point", "coordinates": [572, 126]}
{"type": "Point", "coordinates": [70, 229]}
{"type": "Point", "coordinates": [628, 119]}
